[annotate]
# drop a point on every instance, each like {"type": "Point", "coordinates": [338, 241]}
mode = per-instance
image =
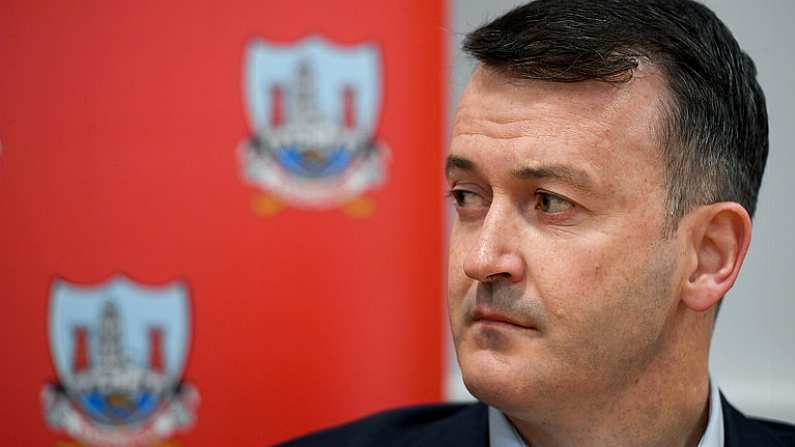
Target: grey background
{"type": "Point", "coordinates": [753, 351]}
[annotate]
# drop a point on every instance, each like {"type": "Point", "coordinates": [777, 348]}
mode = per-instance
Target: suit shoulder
{"type": "Point", "coordinates": [782, 431]}
{"type": "Point", "coordinates": [744, 431]}
{"type": "Point", "coordinates": [449, 424]}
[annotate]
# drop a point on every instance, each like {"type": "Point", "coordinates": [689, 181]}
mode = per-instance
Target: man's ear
{"type": "Point", "coordinates": [719, 235]}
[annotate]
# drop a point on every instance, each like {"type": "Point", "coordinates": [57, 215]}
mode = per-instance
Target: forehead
{"type": "Point", "coordinates": [605, 130]}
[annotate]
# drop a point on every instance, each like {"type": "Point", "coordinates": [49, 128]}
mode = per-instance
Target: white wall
{"type": "Point", "coordinates": [753, 352]}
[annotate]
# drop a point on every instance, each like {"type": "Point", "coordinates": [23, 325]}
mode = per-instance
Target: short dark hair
{"type": "Point", "coordinates": [714, 134]}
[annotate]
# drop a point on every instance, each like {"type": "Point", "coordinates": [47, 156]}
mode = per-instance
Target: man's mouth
{"type": "Point", "coordinates": [488, 316]}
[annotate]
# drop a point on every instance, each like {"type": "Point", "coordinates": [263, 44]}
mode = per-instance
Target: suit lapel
{"type": "Point", "coordinates": [468, 428]}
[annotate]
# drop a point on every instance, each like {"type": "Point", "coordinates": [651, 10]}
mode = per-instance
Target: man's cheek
{"type": "Point", "coordinates": [566, 285]}
{"type": "Point", "coordinates": [458, 281]}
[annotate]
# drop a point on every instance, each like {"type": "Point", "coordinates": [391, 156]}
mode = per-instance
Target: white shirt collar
{"type": "Point", "coordinates": [713, 435]}
{"type": "Point", "coordinates": [503, 434]}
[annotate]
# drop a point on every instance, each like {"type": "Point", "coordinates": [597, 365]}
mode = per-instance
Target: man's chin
{"type": "Point", "coordinates": [498, 378]}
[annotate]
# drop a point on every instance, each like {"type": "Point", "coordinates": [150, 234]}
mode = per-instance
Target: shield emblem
{"type": "Point", "coordinates": [313, 108]}
{"type": "Point", "coordinates": [333, 74]}
{"type": "Point", "coordinates": [119, 348]}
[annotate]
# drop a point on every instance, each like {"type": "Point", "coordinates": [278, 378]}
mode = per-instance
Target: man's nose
{"type": "Point", "coordinates": [496, 253]}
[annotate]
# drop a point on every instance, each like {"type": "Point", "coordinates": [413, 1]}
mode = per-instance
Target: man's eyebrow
{"type": "Point", "coordinates": [456, 162]}
{"type": "Point", "coordinates": [575, 177]}
{"type": "Point", "coordinates": [567, 174]}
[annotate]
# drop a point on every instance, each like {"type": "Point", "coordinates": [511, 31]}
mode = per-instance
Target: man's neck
{"type": "Point", "coordinates": [650, 424]}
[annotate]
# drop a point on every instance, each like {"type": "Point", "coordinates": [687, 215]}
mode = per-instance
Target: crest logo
{"type": "Point", "coordinates": [313, 108]}
{"type": "Point", "coordinates": [119, 350]}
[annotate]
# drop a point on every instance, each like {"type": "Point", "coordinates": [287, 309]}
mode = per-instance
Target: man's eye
{"type": "Point", "coordinates": [552, 204]}
{"type": "Point", "coordinates": [467, 199]}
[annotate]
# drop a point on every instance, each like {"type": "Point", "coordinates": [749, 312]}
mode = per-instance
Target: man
{"type": "Point", "coordinates": [605, 163]}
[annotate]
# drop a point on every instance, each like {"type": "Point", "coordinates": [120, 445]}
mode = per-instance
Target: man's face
{"type": "Point", "coordinates": [561, 283]}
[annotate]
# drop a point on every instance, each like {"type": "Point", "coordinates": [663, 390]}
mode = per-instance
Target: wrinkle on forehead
{"type": "Point", "coordinates": [502, 108]}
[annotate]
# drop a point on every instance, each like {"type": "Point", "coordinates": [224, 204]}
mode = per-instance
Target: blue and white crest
{"type": "Point", "coordinates": [119, 350]}
{"type": "Point", "coordinates": [313, 108]}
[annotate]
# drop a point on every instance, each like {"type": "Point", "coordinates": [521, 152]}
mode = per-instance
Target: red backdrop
{"type": "Point", "coordinates": [119, 125]}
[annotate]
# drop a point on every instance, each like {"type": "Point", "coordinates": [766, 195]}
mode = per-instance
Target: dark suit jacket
{"type": "Point", "coordinates": [467, 425]}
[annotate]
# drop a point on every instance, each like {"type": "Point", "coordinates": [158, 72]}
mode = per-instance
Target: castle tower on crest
{"type": "Point", "coordinates": [305, 105]}
{"type": "Point", "coordinates": [111, 357]}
